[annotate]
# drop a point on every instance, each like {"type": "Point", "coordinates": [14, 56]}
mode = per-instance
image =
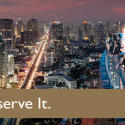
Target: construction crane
{"type": "Point", "coordinates": [56, 18]}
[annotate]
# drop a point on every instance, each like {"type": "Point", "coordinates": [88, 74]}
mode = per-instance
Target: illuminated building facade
{"type": "Point", "coordinates": [120, 27]}
{"type": "Point", "coordinates": [3, 63]}
{"type": "Point", "coordinates": [6, 28]}
{"type": "Point", "coordinates": [56, 32]}
{"type": "Point", "coordinates": [108, 27]}
{"type": "Point", "coordinates": [19, 26]}
{"type": "Point", "coordinates": [32, 25]}
{"type": "Point", "coordinates": [78, 34]}
{"type": "Point", "coordinates": [31, 35]}
{"type": "Point", "coordinates": [41, 28]}
{"type": "Point", "coordinates": [10, 64]}
{"type": "Point", "coordinates": [85, 27]}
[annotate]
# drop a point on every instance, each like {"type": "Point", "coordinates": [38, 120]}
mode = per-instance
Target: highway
{"type": "Point", "coordinates": [28, 81]}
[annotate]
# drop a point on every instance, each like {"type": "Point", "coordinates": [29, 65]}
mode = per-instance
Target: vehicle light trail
{"type": "Point", "coordinates": [28, 81]}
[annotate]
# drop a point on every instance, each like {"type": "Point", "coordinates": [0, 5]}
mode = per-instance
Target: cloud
{"type": "Point", "coordinates": [119, 10]}
{"type": "Point", "coordinates": [72, 10]}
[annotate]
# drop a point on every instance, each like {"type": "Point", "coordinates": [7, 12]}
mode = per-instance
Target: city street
{"type": "Point", "coordinates": [29, 78]}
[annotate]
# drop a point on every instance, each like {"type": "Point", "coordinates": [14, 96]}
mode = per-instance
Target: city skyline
{"type": "Point", "coordinates": [75, 11]}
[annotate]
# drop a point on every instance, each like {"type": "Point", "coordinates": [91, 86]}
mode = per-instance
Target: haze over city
{"type": "Point", "coordinates": [72, 10]}
{"type": "Point", "coordinates": [62, 44]}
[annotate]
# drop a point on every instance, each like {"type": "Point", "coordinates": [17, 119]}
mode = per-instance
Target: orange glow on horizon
{"type": "Point", "coordinates": [85, 22]}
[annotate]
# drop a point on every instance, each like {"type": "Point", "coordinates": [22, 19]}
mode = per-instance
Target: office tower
{"type": "Point", "coordinates": [31, 34]}
{"type": "Point", "coordinates": [57, 29]}
{"type": "Point", "coordinates": [27, 38]}
{"type": "Point", "coordinates": [89, 27]}
{"type": "Point", "coordinates": [15, 29]}
{"type": "Point", "coordinates": [66, 31]}
{"type": "Point", "coordinates": [101, 32]}
{"type": "Point", "coordinates": [41, 28]}
{"type": "Point", "coordinates": [32, 25]}
{"type": "Point", "coordinates": [101, 29]}
{"type": "Point", "coordinates": [10, 64]}
{"type": "Point", "coordinates": [85, 27]}
{"type": "Point", "coordinates": [108, 27]}
{"type": "Point", "coordinates": [48, 58]}
{"type": "Point", "coordinates": [78, 34]}
{"type": "Point", "coordinates": [59, 47]}
{"type": "Point", "coordinates": [6, 29]}
{"type": "Point", "coordinates": [19, 26]}
{"type": "Point", "coordinates": [120, 27]}
{"type": "Point", "coordinates": [45, 27]}
{"type": "Point", "coordinates": [56, 34]}
{"type": "Point", "coordinates": [3, 63]}
{"type": "Point", "coordinates": [23, 27]}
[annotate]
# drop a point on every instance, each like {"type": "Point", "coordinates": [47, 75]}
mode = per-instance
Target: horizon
{"type": "Point", "coordinates": [14, 21]}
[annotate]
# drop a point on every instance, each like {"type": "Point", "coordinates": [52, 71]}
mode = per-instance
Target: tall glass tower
{"type": "Point", "coordinates": [3, 63]}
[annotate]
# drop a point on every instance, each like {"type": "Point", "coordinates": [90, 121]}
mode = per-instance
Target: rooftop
{"type": "Point", "coordinates": [43, 87]}
{"type": "Point", "coordinates": [57, 73]}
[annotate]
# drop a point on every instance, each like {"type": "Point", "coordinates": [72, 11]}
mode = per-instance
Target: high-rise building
{"type": "Point", "coordinates": [6, 28]}
{"type": "Point", "coordinates": [120, 27]}
{"type": "Point", "coordinates": [108, 27]}
{"type": "Point", "coordinates": [19, 26]}
{"type": "Point", "coordinates": [48, 58]}
{"type": "Point", "coordinates": [101, 32]}
{"type": "Point", "coordinates": [10, 64]}
{"type": "Point", "coordinates": [101, 28]}
{"type": "Point", "coordinates": [85, 27]}
{"type": "Point", "coordinates": [41, 28]}
{"type": "Point", "coordinates": [3, 63]}
{"type": "Point", "coordinates": [91, 38]}
{"type": "Point", "coordinates": [78, 34]}
{"type": "Point", "coordinates": [57, 30]}
{"type": "Point", "coordinates": [89, 27]}
{"type": "Point", "coordinates": [32, 25]}
{"type": "Point", "coordinates": [29, 38]}
{"type": "Point", "coordinates": [56, 33]}
{"type": "Point", "coordinates": [31, 35]}
{"type": "Point", "coordinates": [66, 31]}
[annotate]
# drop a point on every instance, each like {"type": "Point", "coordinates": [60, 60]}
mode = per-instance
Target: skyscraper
{"type": "Point", "coordinates": [32, 25]}
{"type": "Point", "coordinates": [85, 27]}
{"type": "Point", "coordinates": [56, 33]}
{"type": "Point", "coordinates": [41, 28]}
{"type": "Point", "coordinates": [31, 35]}
{"type": "Point", "coordinates": [101, 32]}
{"type": "Point", "coordinates": [108, 27]}
{"type": "Point", "coordinates": [6, 28]}
{"type": "Point", "coordinates": [3, 62]}
{"type": "Point", "coordinates": [101, 29]}
{"type": "Point", "coordinates": [19, 26]}
{"type": "Point", "coordinates": [120, 30]}
{"type": "Point", "coordinates": [78, 34]}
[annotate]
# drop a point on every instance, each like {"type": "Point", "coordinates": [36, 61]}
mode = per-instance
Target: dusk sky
{"type": "Point", "coordinates": [75, 11]}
